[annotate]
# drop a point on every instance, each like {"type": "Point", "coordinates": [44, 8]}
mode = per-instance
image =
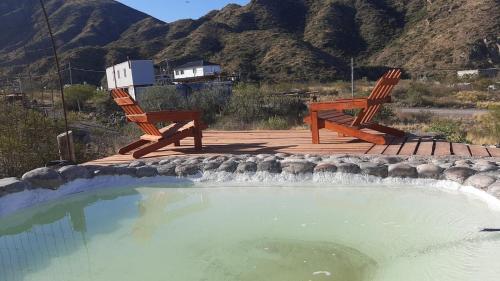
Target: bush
{"type": "Point", "coordinates": [249, 103]}
{"type": "Point", "coordinates": [27, 139]}
{"type": "Point", "coordinates": [487, 128]}
{"type": "Point", "coordinates": [76, 96]}
{"type": "Point", "coordinates": [449, 129]}
{"type": "Point", "coordinates": [275, 123]}
{"type": "Point", "coordinates": [210, 99]}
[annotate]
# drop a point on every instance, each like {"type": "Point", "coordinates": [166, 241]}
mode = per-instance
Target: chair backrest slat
{"type": "Point", "coordinates": [130, 106]}
{"type": "Point", "coordinates": [382, 90]}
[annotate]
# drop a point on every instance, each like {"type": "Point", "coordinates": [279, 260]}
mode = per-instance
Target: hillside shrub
{"type": "Point", "coordinates": [77, 96]}
{"type": "Point", "coordinates": [27, 139]}
{"type": "Point", "coordinates": [211, 100]}
{"type": "Point", "coordinates": [487, 128]}
{"type": "Point", "coordinates": [451, 130]}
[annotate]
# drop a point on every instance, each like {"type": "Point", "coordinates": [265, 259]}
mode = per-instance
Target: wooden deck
{"type": "Point", "coordinates": [299, 142]}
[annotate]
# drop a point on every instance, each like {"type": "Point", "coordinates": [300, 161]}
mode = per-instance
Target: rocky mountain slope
{"type": "Point", "coordinates": [278, 40]}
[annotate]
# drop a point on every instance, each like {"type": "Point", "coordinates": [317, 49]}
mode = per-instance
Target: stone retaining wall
{"type": "Point", "coordinates": [482, 173]}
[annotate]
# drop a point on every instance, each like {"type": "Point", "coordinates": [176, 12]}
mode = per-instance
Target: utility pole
{"type": "Point", "coordinates": [352, 77]}
{"type": "Point", "coordinates": [70, 74]}
{"type": "Point", "coordinates": [61, 87]}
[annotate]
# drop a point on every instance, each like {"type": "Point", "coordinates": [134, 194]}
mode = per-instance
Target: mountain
{"type": "Point", "coordinates": [274, 40]}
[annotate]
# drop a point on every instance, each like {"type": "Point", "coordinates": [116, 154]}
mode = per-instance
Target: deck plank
{"type": "Point", "coordinates": [460, 149]}
{"type": "Point", "coordinates": [478, 151]}
{"type": "Point", "coordinates": [442, 148]}
{"type": "Point", "coordinates": [494, 152]}
{"type": "Point", "coordinates": [395, 146]}
{"type": "Point", "coordinates": [409, 147]}
{"type": "Point", "coordinates": [425, 148]}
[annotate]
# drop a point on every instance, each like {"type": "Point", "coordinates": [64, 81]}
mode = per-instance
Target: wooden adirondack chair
{"type": "Point", "coordinates": [330, 115]}
{"type": "Point", "coordinates": [184, 124]}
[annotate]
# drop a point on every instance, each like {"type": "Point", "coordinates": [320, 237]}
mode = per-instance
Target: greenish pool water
{"type": "Point", "coordinates": [253, 233]}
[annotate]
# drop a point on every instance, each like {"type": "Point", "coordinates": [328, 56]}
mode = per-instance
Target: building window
{"type": "Point", "coordinates": [118, 74]}
{"type": "Point", "coordinates": [182, 72]}
{"type": "Point", "coordinates": [194, 71]}
{"type": "Point", "coordinates": [177, 72]}
{"type": "Point", "coordinates": [125, 73]}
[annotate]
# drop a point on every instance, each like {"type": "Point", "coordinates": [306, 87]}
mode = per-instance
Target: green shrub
{"type": "Point", "coordinates": [451, 130]}
{"type": "Point", "coordinates": [249, 103]}
{"type": "Point", "coordinates": [276, 123]}
{"type": "Point", "coordinates": [76, 96]}
{"type": "Point", "coordinates": [27, 139]}
{"type": "Point", "coordinates": [487, 128]}
{"type": "Point", "coordinates": [211, 100]}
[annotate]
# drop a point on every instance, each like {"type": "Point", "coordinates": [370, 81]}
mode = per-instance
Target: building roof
{"type": "Point", "coordinates": [195, 64]}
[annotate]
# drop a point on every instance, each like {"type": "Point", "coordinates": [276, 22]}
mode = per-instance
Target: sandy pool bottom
{"type": "Point", "coordinates": [253, 233]}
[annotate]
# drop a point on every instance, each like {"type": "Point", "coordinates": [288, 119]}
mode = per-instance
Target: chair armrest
{"type": "Point", "coordinates": [162, 116]}
{"type": "Point", "coordinates": [342, 104]}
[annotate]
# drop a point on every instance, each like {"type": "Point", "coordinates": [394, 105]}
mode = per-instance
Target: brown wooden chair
{"type": "Point", "coordinates": [184, 124]}
{"type": "Point", "coordinates": [331, 116]}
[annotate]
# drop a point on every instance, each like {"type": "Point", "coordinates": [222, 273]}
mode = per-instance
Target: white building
{"type": "Point", "coordinates": [196, 69]}
{"type": "Point", "coordinates": [489, 72]}
{"type": "Point", "coordinates": [132, 75]}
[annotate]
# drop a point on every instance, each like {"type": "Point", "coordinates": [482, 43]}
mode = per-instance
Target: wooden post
{"type": "Point", "coordinates": [314, 127]}
{"type": "Point", "coordinates": [197, 134]}
{"type": "Point", "coordinates": [62, 142]}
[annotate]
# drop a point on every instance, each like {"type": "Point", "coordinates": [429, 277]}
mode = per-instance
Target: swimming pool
{"type": "Point", "coordinates": [250, 231]}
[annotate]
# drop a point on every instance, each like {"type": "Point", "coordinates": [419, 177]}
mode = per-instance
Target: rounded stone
{"type": "Point", "coordinates": [480, 181]}
{"type": "Point", "coordinates": [270, 158]}
{"type": "Point", "coordinates": [246, 167]}
{"type": "Point", "coordinates": [388, 160]}
{"type": "Point", "coordinates": [314, 159]}
{"type": "Point", "coordinates": [429, 171]}
{"type": "Point", "coordinates": [167, 170]}
{"type": "Point", "coordinates": [494, 189]}
{"type": "Point", "coordinates": [484, 162]}
{"type": "Point", "coordinates": [485, 167]}
{"type": "Point", "coordinates": [146, 172]}
{"type": "Point", "coordinates": [402, 170]}
{"type": "Point", "coordinates": [373, 169]}
{"type": "Point", "coordinates": [103, 170]}
{"type": "Point", "coordinates": [126, 171]}
{"type": "Point", "coordinates": [273, 167]}
{"type": "Point", "coordinates": [214, 165]}
{"type": "Point", "coordinates": [462, 163]}
{"type": "Point", "coordinates": [228, 166]}
{"type": "Point", "coordinates": [165, 161]}
{"type": "Point", "coordinates": [73, 172]}
{"type": "Point", "coordinates": [210, 158]}
{"type": "Point", "coordinates": [298, 167]}
{"type": "Point", "coordinates": [252, 159]}
{"type": "Point", "coordinates": [325, 168]}
{"type": "Point", "coordinates": [458, 174]}
{"type": "Point", "coordinates": [187, 170]}
{"type": "Point", "coordinates": [262, 156]}
{"type": "Point", "coordinates": [137, 163]}
{"type": "Point", "coordinates": [282, 155]}
{"type": "Point", "coordinates": [12, 185]}
{"type": "Point", "coordinates": [44, 177]}
{"type": "Point", "coordinates": [348, 168]}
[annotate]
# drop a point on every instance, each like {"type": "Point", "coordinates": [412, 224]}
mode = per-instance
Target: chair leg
{"type": "Point", "coordinates": [126, 149]}
{"type": "Point", "coordinates": [162, 143]}
{"type": "Point", "coordinates": [387, 130]}
{"type": "Point", "coordinates": [198, 134]}
{"type": "Point", "coordinates": [314, 127]}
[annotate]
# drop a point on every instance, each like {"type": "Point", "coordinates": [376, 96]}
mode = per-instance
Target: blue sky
{"type": "Point", "coordinates": [171, 10]}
